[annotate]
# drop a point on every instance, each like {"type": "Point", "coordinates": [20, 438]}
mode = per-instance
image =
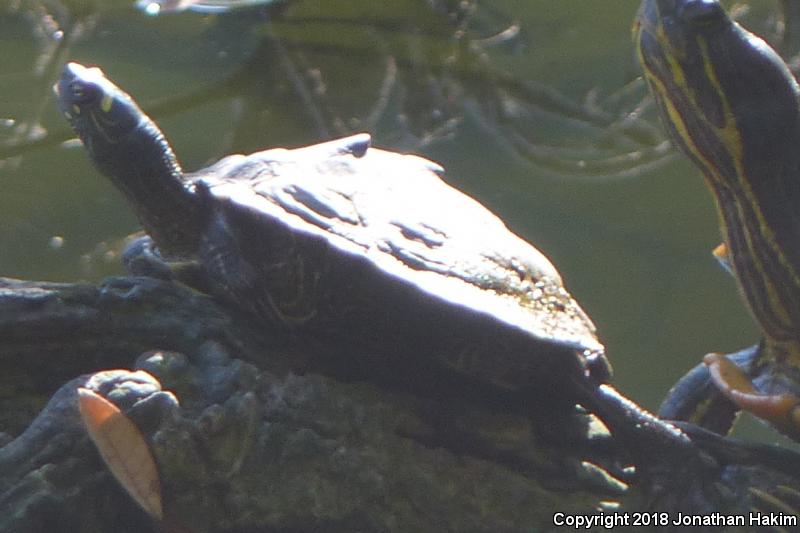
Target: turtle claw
{"type": "Point", "coordinates": [722, 255]}
{"type": "Point", "coordinates": [780, 410]}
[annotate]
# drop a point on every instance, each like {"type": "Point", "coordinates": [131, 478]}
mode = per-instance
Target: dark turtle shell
{"type": "Point", "coordinates": [349, 242]}
{"type": "Point", "coordinates": [355, 249]}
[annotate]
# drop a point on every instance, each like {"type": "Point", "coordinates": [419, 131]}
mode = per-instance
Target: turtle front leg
{"type": "Point", "coordinates": [696, 397]}
{"type": "Point", "coordinates": [715, 391]}
{"type": "Point", "coordinates": [142, 258]}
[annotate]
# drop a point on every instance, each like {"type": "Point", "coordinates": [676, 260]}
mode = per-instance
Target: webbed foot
{"type": "Point", "coordinates": [696, 398]}
{"type": "Point", "coordinates": [753, 380]}
{"type": "Point", "coordinates": [142, 258]}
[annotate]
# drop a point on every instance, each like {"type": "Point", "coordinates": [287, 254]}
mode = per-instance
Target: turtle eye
{"type": "Point", "coordinates": [83, 93]}
{"type": "Point", "coordinates": [701, 12]}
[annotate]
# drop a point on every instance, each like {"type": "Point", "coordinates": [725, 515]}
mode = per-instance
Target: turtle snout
{"type": "Point", "coordinates": [76, 88]}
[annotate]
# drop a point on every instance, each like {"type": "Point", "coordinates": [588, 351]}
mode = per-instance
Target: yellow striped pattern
{"type": "Point", "coordinates": [767, 276]}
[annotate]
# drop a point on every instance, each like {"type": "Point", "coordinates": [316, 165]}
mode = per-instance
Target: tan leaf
{"type": "Point", "coordinates": [124, 450]}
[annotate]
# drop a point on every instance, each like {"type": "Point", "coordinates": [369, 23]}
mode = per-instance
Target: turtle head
{"type": "Point", "coordinates": [727, 99]}
{"type": "Point", "coordinates": [112, 127]}
{"type": "Point", "coordinates": [98, 111]}
{"type": "Point", "coordinates": [128, 147]}
{"type": "Point", "coordinates": [730, 104]}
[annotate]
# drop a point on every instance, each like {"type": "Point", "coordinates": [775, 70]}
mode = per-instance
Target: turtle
{"type": "Point", "coordinates": [730, 104]}
{"type": "Point", "coordinates": [354, 248]}
{"type": "Point", "coordinates": [372, 257]}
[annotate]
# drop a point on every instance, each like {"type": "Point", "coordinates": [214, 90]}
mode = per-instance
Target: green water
{"type": "Point", "coordinates": [632, 243]}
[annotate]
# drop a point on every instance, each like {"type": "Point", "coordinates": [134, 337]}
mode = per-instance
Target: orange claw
{"type": "Point", "coordinates": [721, 251]}
{"type": "Point", "coordinates": [780, 410]}
{"type": "Point", "coordinates": [722, 256]}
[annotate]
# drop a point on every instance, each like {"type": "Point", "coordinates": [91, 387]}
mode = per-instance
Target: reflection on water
{"type": "Point", "coordinates": [534, 107]}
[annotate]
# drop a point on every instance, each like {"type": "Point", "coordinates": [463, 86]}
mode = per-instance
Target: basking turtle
{"type": "Point", "coordinates": [730, 104]}
{"type": "Point", "coordinates": [360, 250]}
{"type": "Point", "coordinates": [372, 257]}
